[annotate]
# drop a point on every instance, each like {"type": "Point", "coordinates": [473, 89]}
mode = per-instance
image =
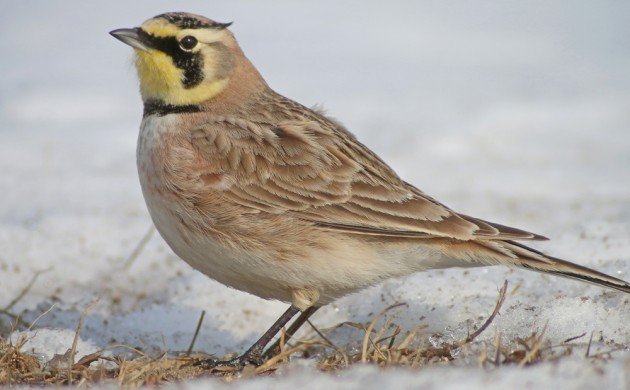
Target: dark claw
{"type": "Point", "coordinates": [237, 364]}
{"type": "Point", "coordinates": [205, 363]}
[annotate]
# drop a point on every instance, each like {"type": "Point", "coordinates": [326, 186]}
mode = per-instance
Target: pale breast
{"type": "Point", "coordinates": [171, 179]}
{"type": "Point", "coordinates": [161, 196]}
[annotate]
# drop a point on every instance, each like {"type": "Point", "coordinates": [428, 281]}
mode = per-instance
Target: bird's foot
{"type": "Point", "coordinates": [236, 364]}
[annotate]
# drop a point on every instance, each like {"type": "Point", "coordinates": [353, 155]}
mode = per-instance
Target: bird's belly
{"type": "Point", "coordinates": [233, 267]}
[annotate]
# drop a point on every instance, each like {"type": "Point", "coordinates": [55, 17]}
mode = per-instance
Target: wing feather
{"type": "Point", "coordinates": [315, 170]}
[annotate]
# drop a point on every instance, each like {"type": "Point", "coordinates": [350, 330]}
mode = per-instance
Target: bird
{"type": "Point", "coordinates": [267, 196]}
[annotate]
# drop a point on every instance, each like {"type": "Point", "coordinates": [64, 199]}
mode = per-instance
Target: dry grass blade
{"type": "Point", "coordinates": [271, 363]}
{"type": "Point", "coordinates": [391, 337]}
{"type": "Point", "coordinates": [25, 290]}
{"type": "Point", "coordinates": [75, 342]}
{"type": "Point", "coordinates": [418, 355]}
{"type": "Point", "coordinates": [7, 309]}
{"type": "Point", "coordinates": [497, 355]}
{"type": "Point", "coordinates": [86, 360]}
{"type": "Point", "coordinates": [574, 338]}
{"type": "Point", "coordinates": [330, 343]}
{"type": "Point", "coordinates": [588, 349]}
{"type": "Point", "coordinates": [18, 320]}
{"type": "Point", "coordinates": [445, 352]}
{"type": "Point", "coordinates": [534, 350]}
{"type": "Point", "coordinates": [283, 340]}
{"type": "Point", "coordinates": [139, 248]}
{"type": "Point", "coordinates": [39, 317]}
{"type": "Point", "coordinates": [608, 353]}
{"type": "Point", "coordinates": [370, 328]}
{"type": "Point", "coordinates": [410, 336]}
{"type": "Point", "coordinates": [487, 323]}
{"type": "Point", "coordinates": [192, 342]}
{"type": "Point", "coordinates": [375, 344]}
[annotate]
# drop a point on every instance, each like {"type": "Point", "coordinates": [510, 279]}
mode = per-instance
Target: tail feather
{"type": "Point", "coordinates": [532, 259]}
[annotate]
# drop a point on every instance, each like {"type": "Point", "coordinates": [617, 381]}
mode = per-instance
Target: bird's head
{"type": "Point", "coordinates": [181, 58]}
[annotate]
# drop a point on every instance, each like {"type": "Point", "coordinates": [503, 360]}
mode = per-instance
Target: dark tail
{"type": "Point", "coordinates": [537, 261]}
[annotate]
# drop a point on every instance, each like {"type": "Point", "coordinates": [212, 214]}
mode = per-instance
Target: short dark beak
{"type": "Point", "coordinates": [130, 36]}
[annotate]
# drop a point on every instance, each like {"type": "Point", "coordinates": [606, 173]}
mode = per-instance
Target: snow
{"type": "Point", "coordinates": [369, 377]}
{"type": "Point", "coordinates": [54, 342]}
{"type": "Point", "coordinates": [516, 112]}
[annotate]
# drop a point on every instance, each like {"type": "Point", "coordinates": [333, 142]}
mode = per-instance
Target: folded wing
{"type": "Point", "coordinates": [320, 173]}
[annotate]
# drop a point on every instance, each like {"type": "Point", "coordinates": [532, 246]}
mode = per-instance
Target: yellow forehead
{"type": "Point", "coordinates": [160, 28]}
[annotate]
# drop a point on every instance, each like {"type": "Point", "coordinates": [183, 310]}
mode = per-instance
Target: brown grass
{"type": "Point", "coordinates": [383, 344]}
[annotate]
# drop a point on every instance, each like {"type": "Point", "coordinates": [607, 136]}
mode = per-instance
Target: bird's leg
{"type": "Point", "coordinates": [303, 317]}
{"type": "Point", "coordinates": [254, 354]}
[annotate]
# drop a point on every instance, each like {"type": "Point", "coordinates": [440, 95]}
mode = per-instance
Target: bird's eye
{"type": "Point", "coordinates": [188, 42]}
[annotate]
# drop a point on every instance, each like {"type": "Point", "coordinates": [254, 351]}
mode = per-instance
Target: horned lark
{"type": "Point", "coordinates": [267, 196]}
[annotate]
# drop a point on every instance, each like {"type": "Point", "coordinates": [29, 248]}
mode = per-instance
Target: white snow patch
{"type": "Point", "coordinates": [513, 112]}
{"type": "Point", "coordinates": [46, 343]}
